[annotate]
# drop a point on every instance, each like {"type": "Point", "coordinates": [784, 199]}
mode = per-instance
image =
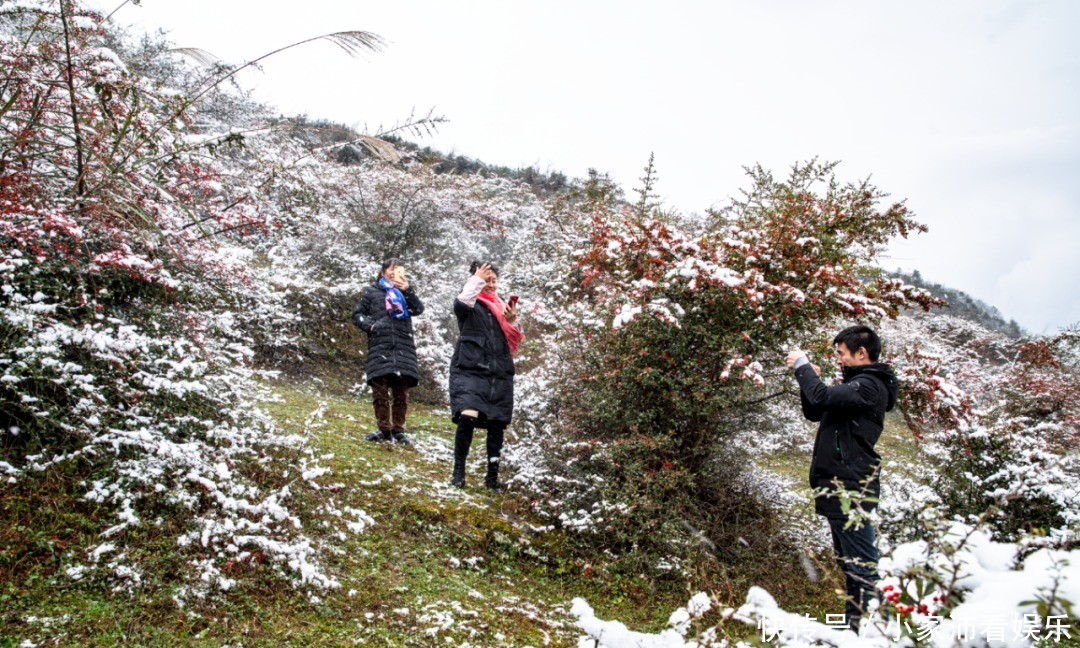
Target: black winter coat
{"type": "Point", "coordinates": [482, 368]}
{"type": "Point", "coordinates": [391, 349]}
{"type": "Point", "coordinates": [852, 416]}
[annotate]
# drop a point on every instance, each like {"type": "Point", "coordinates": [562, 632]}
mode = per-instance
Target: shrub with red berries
{"type": "Point", "coordinates": [683, 329]}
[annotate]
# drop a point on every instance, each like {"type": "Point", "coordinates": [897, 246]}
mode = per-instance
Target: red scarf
{"type": "Point", "coordinates": [496, 306]}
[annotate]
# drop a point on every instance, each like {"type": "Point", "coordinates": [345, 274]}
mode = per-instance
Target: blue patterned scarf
{"type": "Point", "coordinates": [395, 301]}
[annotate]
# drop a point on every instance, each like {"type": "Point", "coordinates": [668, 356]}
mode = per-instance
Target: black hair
{"type": "Point", "coordinates": [392, 261]}
{"type": "Point", "coordinates": [860, 337]}
{"type": "Point", "coordinates": [475, 265]}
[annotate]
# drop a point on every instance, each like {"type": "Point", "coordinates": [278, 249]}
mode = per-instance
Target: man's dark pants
{"type": "Point", "coordinates": [857, 556]}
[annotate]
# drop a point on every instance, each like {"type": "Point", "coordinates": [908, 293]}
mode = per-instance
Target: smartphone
{"type": "Point", "coordinates": [513, 300]}
{"type": "Point", "coordinates": [399, 274]}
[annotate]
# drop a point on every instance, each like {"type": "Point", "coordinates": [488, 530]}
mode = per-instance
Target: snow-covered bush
{"type": "Point", "coordinates": [998, 422]}
{"type": "Point", "coordinates": [680, 336]}
{"type": "Point", "coordinates": [123, 362]}
{"type": "Point", "coordinates": [960, 589]}
{"type": "Point", "coordinates": [614, 634]}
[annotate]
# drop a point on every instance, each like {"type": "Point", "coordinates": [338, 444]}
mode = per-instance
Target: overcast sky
{"type": "Point", "coordinates": [968, 109]}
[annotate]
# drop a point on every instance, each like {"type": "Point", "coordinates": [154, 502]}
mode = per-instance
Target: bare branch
{"type": "Point", "coordinates": [118, 8]}
{"type": "Point", "coordinates": [200, 56]}
{"type": "Point", "coordinates": [80, 181]}
{"type": "Point", "coordinates": [419, 126]}
{"type": "Point", "coordinates": [353, 42]}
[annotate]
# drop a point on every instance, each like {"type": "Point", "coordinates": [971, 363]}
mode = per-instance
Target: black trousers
{"type": "Point", "coordinates": [857, 555]}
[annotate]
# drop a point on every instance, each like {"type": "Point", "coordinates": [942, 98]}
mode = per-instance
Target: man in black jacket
{"type": "Point", "coordinates": [852, 416]}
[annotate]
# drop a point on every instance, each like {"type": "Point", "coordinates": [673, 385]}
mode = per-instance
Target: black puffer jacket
{"type": "Point", "coordinates": [852, 416]}
{"type": "Point", "coordinates": [482, 368]}
{"type": "Point", "coordinates": [391, 349]}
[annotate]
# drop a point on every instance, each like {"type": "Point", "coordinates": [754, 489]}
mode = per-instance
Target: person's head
{"type": "Point", "coordinates": [857, 345]}
{"type": "Point", "coordinates": [386, 270]}
{"type": "Point", "coordinates": [493, 280]}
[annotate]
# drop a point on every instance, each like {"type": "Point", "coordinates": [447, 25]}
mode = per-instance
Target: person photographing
{"type": "Point", "coordinates": [482, 369]}
{"type": "Point", "coordinates": [385, 313]}
{"type": "Point", "coordinates": [852, 417]}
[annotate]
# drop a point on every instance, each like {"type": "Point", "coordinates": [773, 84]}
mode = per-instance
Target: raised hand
{"type": "Point", "coordinates": [484, 272]}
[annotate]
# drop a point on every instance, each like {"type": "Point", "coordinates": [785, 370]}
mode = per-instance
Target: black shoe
{"type": "Point", "coordinates": [378, 436]}
{"type": "Point", "coordinates": [491, 479]}
{"type": "Point", "coordinates": [399, 437]}
{"type": "Point", "coordinates": [457, 478]}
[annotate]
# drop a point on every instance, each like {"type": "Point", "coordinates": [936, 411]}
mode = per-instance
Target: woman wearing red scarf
{"type": "Point", "coordinates": [482, 369]}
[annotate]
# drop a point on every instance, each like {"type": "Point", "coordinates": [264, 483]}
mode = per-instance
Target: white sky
{"type": "Point", "coordinates": [969, 109]}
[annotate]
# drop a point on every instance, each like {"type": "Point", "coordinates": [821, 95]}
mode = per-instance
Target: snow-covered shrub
{"type": "Point", "coordinates": [962, 589]}
{"type": "Point", "coordinates": [961, 575]}
{"type": "Point", "coordinates": [122, 360]}
{"type": "Point", "coordinates": [680, 338]}
{"type": "Point", "coordinates": [997, 418]}
{"type": "Point", "coordinates": [614, 634]}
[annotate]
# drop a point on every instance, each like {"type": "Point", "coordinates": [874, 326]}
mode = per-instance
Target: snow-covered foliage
{"type": "Point", "coordinates": [998, 422]}
{"type": "Point", "coordinates": [961, 589]}
{"type": "Point", "coordinates": [123, 359]}
{"type": "Point", "coordinates": [613, 634]}
{"type": "Point", "coordinates": [994, 567]}
{"type": "Point", "coordinates": [670, 340]}
{"type": "Point", "coordinates": [995, 417]}
{"type": "Point", "coordinates": [154, 251]}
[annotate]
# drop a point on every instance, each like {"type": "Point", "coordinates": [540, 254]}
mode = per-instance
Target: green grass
{"type": "Point", "coordinates": [440, 566]}
{"type": "Point", "coordinates": [418, 554]}
{"type": "Point", "coordinates": [436, 556]}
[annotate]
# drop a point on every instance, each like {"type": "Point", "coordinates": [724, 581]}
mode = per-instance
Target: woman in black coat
{"type": "Point", "coordinates": [385, 313]}
{"type": "Point", "coordinates": [482, 369]}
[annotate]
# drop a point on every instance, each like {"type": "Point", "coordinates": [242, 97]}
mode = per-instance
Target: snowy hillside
{"type": "Point", "coordinates": [182, 400]}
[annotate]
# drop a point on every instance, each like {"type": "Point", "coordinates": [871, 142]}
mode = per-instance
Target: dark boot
{"type": "Point", "coordinates": [494, 454]}
{"type": "Point", "coordinates": [462, 441]}
{"type": "Point", "coordinates": [378, 436]}
{"type": "Point", "coordinates": [491, 479]}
